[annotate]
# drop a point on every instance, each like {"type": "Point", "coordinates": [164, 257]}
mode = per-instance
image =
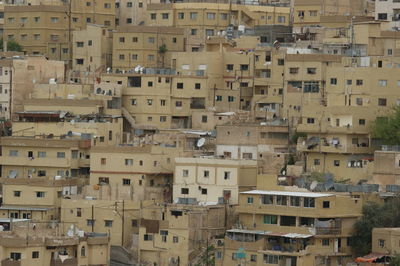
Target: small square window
{"type": "Point", "coordinates": [326, 204]}
{"type": "Point", "coordinates": [336, 163]}
{"type": "Point", "coordinates": [325, 242]}
{"type": "Point", "coordinates": [204, 191]}
{"type": "Point", "coordinates": [184, 191]}
{"type": "Point", "coordinates": [35, 254]}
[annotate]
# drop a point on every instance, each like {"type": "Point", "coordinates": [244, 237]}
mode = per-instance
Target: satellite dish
{"type": "Point", "coordinates": [201, 142]}
{"type": "Point", "coordinates": [13, 174]}
{"type": "Point", "coordinates": [313, 185]}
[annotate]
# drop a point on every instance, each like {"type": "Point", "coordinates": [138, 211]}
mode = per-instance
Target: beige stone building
{"type": "Point", "coordinates": [37, 199]}
{"type": "Point", "coordinates": [30, 243]}
{"type": "Point", "coordinates": [212, 180]}
{"type": "Point", "coordinates": [201, 20]}
{"type": "Point", "coordinates": [133, 173]}
{"type": "Point", "coordinates": [292, 228]}
{"type": "Point", "coordinates": [140, 46]}
{"type": "Point", "coordinates": [46, 28]}
{"type": "Point", "coordinates": [92, 49]}
{"type": "Point", "coordinates": [24, 157]}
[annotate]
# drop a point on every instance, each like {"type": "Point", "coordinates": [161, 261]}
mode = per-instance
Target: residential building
{"type": "Point", "coordinates": [131, 12]}
{"type": "Point", "coordinates": [27, 157]}
{"type": "Point", "coordinates": [60, 111]}
{"type": "Point", "coordinates": [337, 104]}
{"type": "Point", "coordinates": [145, 46]}
{"type": "Point", "coordinates": [250, 140]}
{"type": "Point", "coordinates": [37, 199]}
{"type": "Point", "coordinates": [388, 11]}
{"type": "Point", "coordinates": [202, 20]}
{"type": "Point", "coordinates": [292, 228]}
{"type": "Point", "coordinates": [46, 29]}
{"type": "Point", "coordinates": [92, 49]}
{"type": "Point", "coordinates": [180, 236]}
{"type": "Point", "coordinates": [133, 172]}
{"type": "Point", "coordinates": [386, 166]}
{"type": "Point", "coordinates": [212, 180]}
{"type": "Point", "coordinates": [30, 243]}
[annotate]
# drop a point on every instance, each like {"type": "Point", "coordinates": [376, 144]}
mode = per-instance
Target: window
{"type": "Point", "coordinates": [179, 85]}
{"type": "Point", "coordinates": [128, 161]}
{"type": "Point", "coordinates": [281, 200]}
{"type": "Point", "coordinates": [244, 67]}
{"type": "Point", "coordinates": [13, 153]}
{"type": "Point", "coordinates": [333, 81]}
{"type": "Point", "coordinates": [36, 19]}
{"type": "Point", "coordinates": [361, 122]}
{"type": "Point", "coordinates": [310, 120]}
{"type": "Point", "coordinates": [150, 57]}
{"type": "Point", "coordinates": [103, 161]}
{"type": "Point", "coordinates": [164, 15]}
{"type": "Point", "coordinates": [41, 154]}
{"type": "Point", "coordinates": [270, 219]}
{"type": "Point", "coordinates": [35, 254]}
{"type": "Point", "coordinates": [15, 256]}
{"type": "Point", "coordinates": [359, 82]}
{"type": "Point", "coordinates": [281, 62]}
{"type": "Point", "coordinates": [231, 99]}
{"type": "Point", "coordinates": [153, 16]}
{"type": "Point", "coordinates": [121, 57]}
{"type": "Point", "coordinates": [17, 193]}
{"type": "Point", "coordinates": [281, 19]}
{"type": "Point", "coordinates": [135, 223]}
{"type": "Point", "coordinates": [271, 259]}
{"type": "Point", "coordinates": [325, 204]}
{"type": "Point", "coordinates": [54, 19]}
{"type": "Point", "coordinates": [185, 173]}
{"type": "Point", "coordinates": [325, 241]}
{"type": "Point", "coordinates": [126, 182]}
{"type": "Point", "coordinates": [204, 119]}
{"type": "Point", "coordinates": [206, 173]}
{"type": "Point", "coordinates": [211, 16]}
{"type": "Point", "coordinates": [336, 163]}
{"type": "Point", "coordinates": [311, 70]}
{"type": "Point", "coordinates": [223, 16]}
{"type": "Point", "coordinates": [218, 98]}
{"type": "Point", "coordinates": [381, 243]}
{"type": "Point", "coordinates": [253, 257]}
{"type": "Point", "coordinates": [175, 239]}
{"type": "Point", "coordinates": [129, 4]}
{"type": "Point", "coordinates": [178, 103]}
{"type": "Point", "coordinates": [317, 161]}
{"type": "Point", "coordinates": [382, 101]}
{"type": "Point", "coordinates": [295, 201]}
{"type": "Point", "coordinates": [41, 173]}
{"type": "Point", "coordinates": [108, 223]}
{"type": "Point", "coordinates": [309, 202]}
{"type": "Point", "coordinates": [227, 175]}
{"type": "Point", "coordinates": [79, 212]}
{"type": "Point", "coordinates": [181, 15]}
{"type": "Point", "coordinates": [162, 102]}
{"type": "Point", "coordinates": [150, 102]}
{"type": "Point", "coordinates": [90, 222]}
{"type": "Point", "coordinates": [204, 191]}
{"type": "Point", "coordinates": [79, 61]}
{"type": "Point", "coordinates": [193, 32]}
{"type": "Point", "coordinates": [389, 51]}
{"type": "Point", "coordinates": [349, 82]}
{"type": "Point", "coordinates": [209, 32]}
{"type": "Point", "coordinates": [193, 15]}
{"type": "Point", "coordinates": [267, 199]}
{"type": "Point", "coordinates": [107, 5]}
{"type": "Point", "coordinates": [36, 37]}
{"type": "Point", "coordinates": [250, 200]}
{"type": "Point", "coordinates": [313, 13]}
{"type": "Point", "coordinates": [288, 221]}
{"type": "Point", "coordinates": [229, 67]}
{"type": "Point", "coordinates": [163, 118]}
{"type": "Point", "coordinates": [39, 194]}
{"type": "Point", "coordinates": [60, 154]}
{"type": "Point", "coordinates": [83, 251]}
{"type": "Point", "coordinates": [293, 70]}
{"type": "Point", "coordinates": [184, 191]}
{"type": "Point", "coordinates": [382, 82]}
{"type": "Point", "coordinates": [382, 16]}
{"type": "Point", "coordinates": [359, 101]}
{"type": "Point", "coordinates": [133, 101]}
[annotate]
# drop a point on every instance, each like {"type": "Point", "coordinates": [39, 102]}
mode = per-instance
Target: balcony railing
{"type": "Point", "coordinates": [67, 262]}
{"type": "Point", "coordinates": [328, 230]}
{"type": "Point", "coordinates": [8, 262]}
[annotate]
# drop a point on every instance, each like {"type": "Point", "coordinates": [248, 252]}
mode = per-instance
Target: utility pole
{"type": "Point", "coordinates": [92, 218]}
{"type": "Point", "coordinates": [123, 222]}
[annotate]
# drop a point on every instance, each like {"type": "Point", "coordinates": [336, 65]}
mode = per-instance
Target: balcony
{"type": "Point", "coordinates": [328, 230]}
{"type": "Point", "coordinates": [67, 262]}
{"type": "Point", "coordinates": [36, 162]}
{"type": "Point", "coordinates": [8, 262]}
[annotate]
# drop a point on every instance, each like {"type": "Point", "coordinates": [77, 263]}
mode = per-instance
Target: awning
{"type": "Point", "coordinates": [370, 257]}
{"type": "Point", "coordinates": [290, 235]}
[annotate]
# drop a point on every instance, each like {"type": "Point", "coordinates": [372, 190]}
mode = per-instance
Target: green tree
{"type": "Point", "coordinates": [387, 129]}
{"type": "Point", "coordinates": [374, 216]}
{"type": "Point", "coordinates": [162, 50]}
{"type": "Point", "coordinates": [395, 261]}
{"type": "Point", "coordinates": [11, 46]}
{"type": "Point", "coordinates": [208, 257]}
